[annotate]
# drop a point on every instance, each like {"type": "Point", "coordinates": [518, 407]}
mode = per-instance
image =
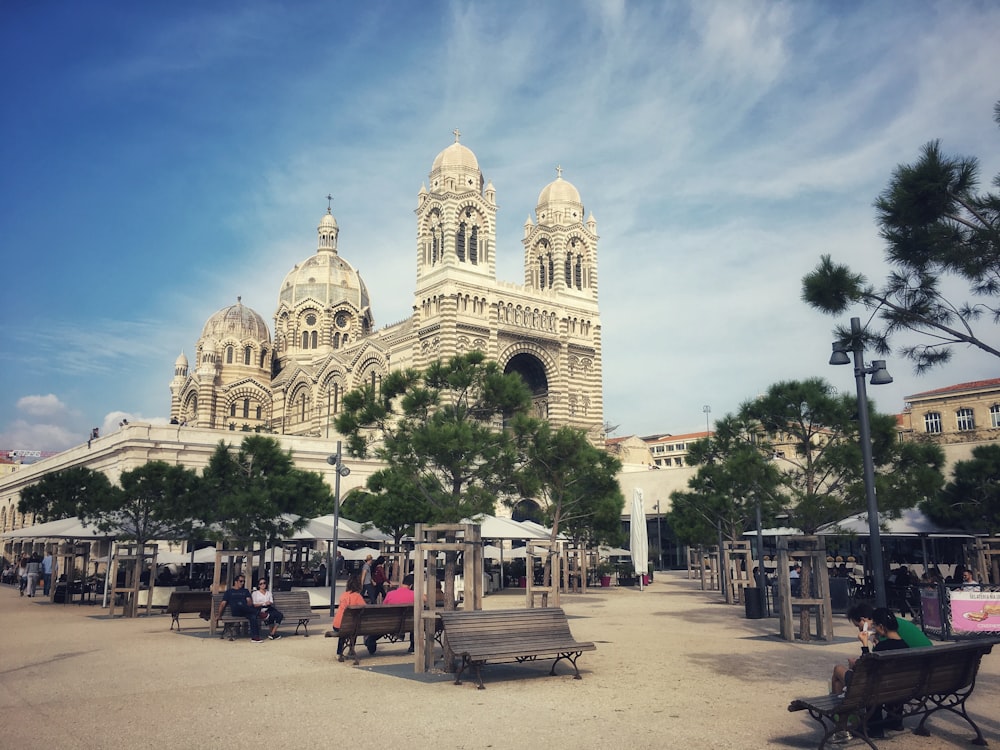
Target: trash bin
{"type": "Point", "coordinates": [839, 599]}
{"type": "Point", "coordinates": [753, 598]}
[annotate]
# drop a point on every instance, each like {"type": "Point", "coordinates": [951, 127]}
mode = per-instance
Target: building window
{"type": "Point", "coordinates": [932, 422]}
{"type": "Point", "coordinates": [995, 415]}
{"type": "Point", "coordinates": [229, 355]}
{"type": "Point", "coordinates": [246, 356]}
{"type": "Point", "coordinates": [232, 409]}
{"type": "Point", "coordinates": [460, 242]}
{"type": "Point", "coordinates": [965, 420]}
{"type": "Point", "coordinates": [246, 408]}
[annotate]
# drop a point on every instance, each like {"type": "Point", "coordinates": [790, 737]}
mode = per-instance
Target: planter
{"type": "Point", "coordinates": [605, 582]}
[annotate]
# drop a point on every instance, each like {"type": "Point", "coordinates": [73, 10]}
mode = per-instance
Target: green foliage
{"type": "Point", "coordinates": [155, 501]}
{"type": "Point", "coordinates": [575, 483]}
{"type": "Point", "coordinates": [257, 493]}
{"type": "Point", "coordinates": [796, 448]}
{"type": "Point", "coordinates": [441, 434]}
{"type": "Point", "coordinates": [971, 501]}
{"type": "Point", "coordinates": [733, 477]}
{"type": "Point", "coordinates": [64, 494]}
{"type": "Point", "coordinates": [936, 226]}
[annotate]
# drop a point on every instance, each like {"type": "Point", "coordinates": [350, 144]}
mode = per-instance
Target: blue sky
{"type": "Point", "coordinates": [162, 158]}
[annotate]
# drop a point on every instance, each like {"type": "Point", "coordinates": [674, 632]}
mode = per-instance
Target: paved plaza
{"type": "Point", "coordinates": [674, 667]}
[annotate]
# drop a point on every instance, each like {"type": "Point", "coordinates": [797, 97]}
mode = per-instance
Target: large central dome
{"type": "Point", "coordinates": [325, 278]}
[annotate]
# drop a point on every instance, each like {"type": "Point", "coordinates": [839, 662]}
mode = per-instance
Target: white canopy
{"type": "Point", "coordinates": [321, 529]}
{"type": "Point", "coordinates": [64, 528]}
{"type": "Point", "coordinates": [203, 555]}
{"type": "Point", "coordinates": [495, 527]}
{"type": "Point", "coordinates": [911, 523]}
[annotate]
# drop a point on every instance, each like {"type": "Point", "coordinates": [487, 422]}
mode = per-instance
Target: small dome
{"type": "Point", "coordinates": [456, 155]}
{"type": "Point", "coordinates": [328, 221]}
{"type": "Point", "coordinates": [559, 204]}
{"type": "Point", "coordinates": [559, 190]}
{"type": "Point", "coordinates": [456, 170]}
{"type": "Point", "coordinates": [236, 321]}
{"type": "Point", "coordinates": [181, 361]}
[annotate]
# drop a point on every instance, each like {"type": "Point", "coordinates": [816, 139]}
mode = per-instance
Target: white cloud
{"type": "Point", "coordinates": [42, 406]}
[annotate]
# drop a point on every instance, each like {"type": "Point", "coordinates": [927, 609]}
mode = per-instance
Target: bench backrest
{"type": "Point", "coordinates": [189, 601]}
{"type": "Point", "coordinates": [464, 629]}
{"type": "Point", "coordinates": [292, 601]}
{"type": "Point", "coordinates": [898, 676]}
{"type": "Point", "coordinates": [375, 618]}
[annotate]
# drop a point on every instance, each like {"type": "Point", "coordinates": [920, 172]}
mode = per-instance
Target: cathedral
{"type": "Point", "coordinates": [325, 341]}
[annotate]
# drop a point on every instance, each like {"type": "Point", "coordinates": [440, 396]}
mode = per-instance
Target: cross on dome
{"type": "Point", "coordinates": [329, 203]}
{"type": "Point", "coordinates": [558, 171]}
{"type": "Point", "coordinates": [458, 134]}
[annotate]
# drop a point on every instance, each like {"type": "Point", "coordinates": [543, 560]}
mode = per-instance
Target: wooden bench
{"type": "Point", "coordinates": [392, 620]}
{"type": "Point", "coordinates": [914, 681]}
{"type": "Point", "coordinates": [294, 605]}
{"type": "Point", "coordinates": [511, 635]}
{"type": "Point", "coordinates": [188, 602]}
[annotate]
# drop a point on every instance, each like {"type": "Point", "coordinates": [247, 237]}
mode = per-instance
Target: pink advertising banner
{"type": "Point", "coordinates": [975, 611]}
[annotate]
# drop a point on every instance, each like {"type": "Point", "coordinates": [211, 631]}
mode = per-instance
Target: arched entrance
{"type": "Point", "coordinates": [527, 510]}
{"type": "Point", "coordinates": [532, 371]}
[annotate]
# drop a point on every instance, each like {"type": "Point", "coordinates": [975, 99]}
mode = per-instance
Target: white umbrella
{"type": "Point", "coordinates": [639, 543]}
{"type": "Point", "coordinates": [613, 552]}
{"type": "Point", "coordinates": [359, 554]}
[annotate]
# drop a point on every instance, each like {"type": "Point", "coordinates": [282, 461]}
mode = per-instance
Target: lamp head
{"type": "Point", "coordinates": [839, 355]}
{"type": "Point", "coordinates": [879, 374]}
{"type": "Point", "coordinates": [333, 459]}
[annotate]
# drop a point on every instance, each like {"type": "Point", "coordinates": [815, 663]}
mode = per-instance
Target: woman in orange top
{"type": "Point", "coordinates": [350, 597]}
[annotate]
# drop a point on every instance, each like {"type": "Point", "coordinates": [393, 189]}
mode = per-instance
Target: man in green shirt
{"type": "Point", "coordinates": [861, 613]}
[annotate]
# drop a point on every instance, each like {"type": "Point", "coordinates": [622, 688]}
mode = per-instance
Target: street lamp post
{"type": "Point", "coordinates": [659, 537]}
{"type": "Point", "coordinates": [336, 461]}
{"type": "Point", "coordinates": [879, 376]}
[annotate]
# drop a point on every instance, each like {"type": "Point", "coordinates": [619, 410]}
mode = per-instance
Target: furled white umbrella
{"type": "Point", "coordinates": [639, 542]}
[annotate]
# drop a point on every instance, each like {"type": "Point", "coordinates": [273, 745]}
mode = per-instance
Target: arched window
{"type": "Point", "coordinates": [305, 339]}
{"type": "Point", "coordinates": [246, 408]}
{"type": "Point", "coordinates": [460, 242]}
{"type": "Point", "coordinates": [474, 246]}
{"type": "Point", "coordinates": [568, 270]}
{"type": "Point", "coordinates": [302, 415]}
{"type": "Point", "coordinates": [258, 412]}
{"type": "Point", "coordinates": [246, 356]}
{"type": "Point", "coordinates": [578, 272]}
{"type": "Point", "coordinates": [336, 341]}
{"type": "Point", "coordinates": [541, 273]}
{"type": "Point", "coordinates": [313, 339]}
{"type": "Point", "coordinates": [232, 409]}
{"type": "Point", "coordinates": [229, 355]}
